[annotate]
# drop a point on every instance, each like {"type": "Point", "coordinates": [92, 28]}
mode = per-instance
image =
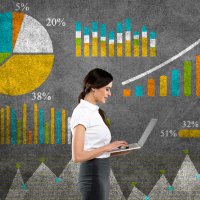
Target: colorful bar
{"type": "Point", "coordinates": [19, 131]}
{"type": "Point", "coordinates": [8, 136]}
{"type": "Point", "coordinates": [6, 32]}
{"type": "Point", "coordinates": [126, 92]}
{"type": "Point", "coordinates": [78, 39]}
{"type": "Point", "coordinates": [103, 39]}
{"type": "Point", "coordinates": [86, 41]}
{"type": "Point", "coordinates": [63, 126]}
{"type": "Point", "coordinates": [136, 44]}
{"type": "Point", "coordinates": [152, 44]}
{"type": "Point", "coordinates": [94, 39]}
{"type": "Point", "coordinates": [52, 126]}
{"type": "Point", "coordinates": [163, 86]}
{"type": "Point", "coordinates": [30, 137]}
{"type": "Point", "coordinates": [69, 132]}
{"type": "Point", "coordinates": [41, 126]}
{"type": "Point", "coordinates": [58, 127]}
{"type": "Point", "coordinates": [46, 126]}
{"type": "Point", "coordinates": [151, 87]}
{"type": "Point", "coordinates": [36, 135]}
{"type": "Point", "coordinates": [175, 82]}
{"type": "Point", "coordinates": [119, 39]}
{"type": "Point", "coordinates": [13, 126]}
{"type": "Point", "coordinates": [128, 37]}
{"type": "Point", "coordinates": [111, 42]}
{"type": "Point", "coordinates": [187, 78]}
{"type": "Point", "coordinates": [24, 123]}
{"type": "Point", "coordinates": [198, 75]}
{"type": "Point", "coordinates": [185, 133]}
{"type": "Point", "coordinates": [2, 126]}
{"type": "Point", "coordinates": [139, 91]}
{"type": "Point", "coordinates": [144, 41]}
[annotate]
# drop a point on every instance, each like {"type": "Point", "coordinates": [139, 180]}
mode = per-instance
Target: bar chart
{"type": "Point", "coordinates": [122, 42]}
{"type": "Point", "coordinates": [45, 130]}
{"type": "Point", "coordinates": [171, 85]}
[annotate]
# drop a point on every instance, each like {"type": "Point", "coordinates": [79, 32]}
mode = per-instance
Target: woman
{"type": "Point", "coordinates": [91, 136]}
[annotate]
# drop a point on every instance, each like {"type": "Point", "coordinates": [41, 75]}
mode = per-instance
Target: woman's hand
{"type": "Point", "coordinates": [116, 144]}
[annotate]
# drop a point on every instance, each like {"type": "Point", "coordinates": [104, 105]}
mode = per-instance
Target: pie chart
{"type": "Point", "coordinates": [26, 54]}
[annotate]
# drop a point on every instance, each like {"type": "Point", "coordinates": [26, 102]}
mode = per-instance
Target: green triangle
{"type": "Point", "coordinates": [4, 56]}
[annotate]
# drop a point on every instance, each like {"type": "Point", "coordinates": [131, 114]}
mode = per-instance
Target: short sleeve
{"type": "Point", "coordinates": [79, 117]}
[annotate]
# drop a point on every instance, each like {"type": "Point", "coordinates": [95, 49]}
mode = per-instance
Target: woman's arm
{"type": "Point", "coordinates": [78, 153]}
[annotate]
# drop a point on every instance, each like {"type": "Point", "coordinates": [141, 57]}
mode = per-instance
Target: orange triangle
{"type": "Point", "coordinates": [17, 22]}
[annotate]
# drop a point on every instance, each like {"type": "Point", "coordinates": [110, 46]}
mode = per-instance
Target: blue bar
{"type": "Point", "coordinates": [78, 26]}
{"type": "Point", "coordinates": [41, 126]}
{"type": "Point", "coordinates": [86, 30]}
{"type": "Point", "coordinates": [6, 33]}
{"type": "Point", "coordinates": [119, 27]}
{"type": "Point", "coordinates": [175, 82]}
{"type": "Point", "coordinates": [152, 35]}
{"type": "Point", "coordinates": [58, 127]}
{"type": "Point", "coordinates": [103, 30]}
{"type": "Point", "coordinates": [144, 29]}
{"type": "Point", "coordinates": [128, 24]}
{"type": "Point", "coordinates": [138, 91]}
{"type": "Point", "coordinates": [94, 27]}
{"type": "Point", "coordinates": [136, 34]}
{"type": "Point", "coordinates": [111, 35]}
{"type": "Point", "coordinates": [13, 127]}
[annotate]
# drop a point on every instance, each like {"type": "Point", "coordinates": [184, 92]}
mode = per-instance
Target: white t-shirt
{"type": "Point", "coordinates": [97, 134]}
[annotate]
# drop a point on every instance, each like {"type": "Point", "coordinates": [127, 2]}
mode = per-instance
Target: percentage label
{"type": "Point", "coordinates": [190, 124]}
{"type": "Point", "coordinates": [55, 22]}
{"type": "Point", "coordinates": [22, 7]}
{"type": "Point", "coordinates": [41, 96]}
{"type": "Point", "coordinates": [168, 133]}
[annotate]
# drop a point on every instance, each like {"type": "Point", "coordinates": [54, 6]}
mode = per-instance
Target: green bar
{"type": "Point", "coordinates": [46, 133]}
{"type": "Point", "coordinates": [19, 131]}
{"type": "Point", "coordinates": [187, 78]}
{"type": "Point", "coordinates": [136, 42]}
{"type": "Point", "coordinates": [78, 41]}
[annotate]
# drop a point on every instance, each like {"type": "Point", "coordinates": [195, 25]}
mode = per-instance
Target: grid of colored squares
{"type": "Point", "coordinates": [122, 42]}
{"type": "Point", "coordinates": [175, 83]}
{"type": "Point", "coordinates": [14, 130]}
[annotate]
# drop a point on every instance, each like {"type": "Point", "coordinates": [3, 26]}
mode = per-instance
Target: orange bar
{"type": "Point", "coordinates": [198, 75]}
{"type": "Point", "coordinates": [151, 87]}
{"type": "Point", "coordinates": [30, 137]}
{"type": "Point", "coordinates": [127, 92]}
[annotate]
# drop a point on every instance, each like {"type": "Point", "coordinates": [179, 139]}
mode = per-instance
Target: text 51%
{"type": "Point", "coordinates": [55, 22]}
{"type": "Point", "coordinates": [41, 96]}
{"type": "Point", "coordinates": [22, 7]}
{"type": "Point", "coordinates": [168, 133]}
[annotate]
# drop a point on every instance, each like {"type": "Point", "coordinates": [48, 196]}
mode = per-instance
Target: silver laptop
{"type": "Point", "coordinates": [141, 141]}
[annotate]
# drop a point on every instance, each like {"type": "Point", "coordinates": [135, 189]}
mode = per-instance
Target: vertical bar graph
{"type": "Point", "coordinates": [41, 126]}
{"type": "Point", "coordinates": [111, 42]}
{"type": "Point", "coordinates": [35, 124]}
{"type": "Point", "coordinates": [163, 86]}
{"type": "Point", "coordinates": [198, 75]}
{"type": "Point", "coordinates": [103, 39]}
{"type": "Point", "coordinates": [94, 39]}
{"type": "Point", "coordinates": [58, 127]}
{"type": "Point", "coordinates": [187, 78]}
{"type": "Point", "coordinates": [139, 91]}
{"type": "Point", "coordinates": [144, 41]}
{"type": "Point", "coordinates": [128, 37]}
{"type": "Point", "coordinates": [86, 41]}
{"type": "Point", "coordinates": [151, 87]}
{"type": "Point", "coordinates": [24, 123]}
{"type": "Point", "coordinates": [2, 126]}
{"type": "Point", "coordinates": [136, 44]}
{"type": "Point", "coordinates": [78, 39]}
{"type": "Point", "coordinates": [52, 126]}
{"type": "Point", "coordinates": [152, 44]}
{"type": "Point", "coordinates": [8, 137]}
{"type": "Point", "coordinates": [13, 126]}
{"type": "Point", "coordinates": [63, 126]}
{"type": "Point", "coordinates": [119, 39]}
{"type": "Point", "coordinates": [175, 82]}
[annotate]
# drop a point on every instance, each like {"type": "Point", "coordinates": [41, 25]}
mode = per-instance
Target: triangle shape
{"type": "Point", "coordinates": [136, 194]}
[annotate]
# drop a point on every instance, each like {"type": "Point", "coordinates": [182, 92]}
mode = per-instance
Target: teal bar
{"type": "Point", "coordinates": [128, 24]}
{"type": "Point", "coordinates": [58, 127]}
{"type": "Point", "coordinates": [94, 27]}
{"type": "Point", "coordinates": [187, 78]}
{"type": "Point", "coordinates": [111, 35]}
{"type": "Point", "coordinates": [119, 27]}
{"type": "Point", "coordinates": [152, 35]}
{"type": "Point", "coordinates": [175, 82]}
{"type": "Point", "coordinates": [6, 33]}
{"type": "Point", "coordinates": [144, 29]}
{"type": "Point", "coordinates": [103, 30]}
{"type": "Point", "coordinates": [41, 126]}
{"type": "Point", "coordinates": [78, 26]}
{"type": "Point", "coordinates": [86, 30]}
{"type": "Point", "coordinates": [139, 91]}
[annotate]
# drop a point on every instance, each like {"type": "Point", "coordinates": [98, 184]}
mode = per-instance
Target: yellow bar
{"type": "Point", "coordinates": [163, 86]}
{"type": "Point", "coordinates": [86, 49]}
{"type": "Point", "coordinates": [24, 123]}
{"type": "Point", "coordinates": [136, 51]}
{"type": "Point", "coordinates": [128, 48]}
{"type": "Point", "coordinates": [78, 50]}
{"type": "Point", "coordinates": [35, 123]}
{"type": "Point", "coordinates": [2, 126]}
{"type": "Point", "coordinates": [7, 124]}
{"type": "Point", "coordinates": [189, 133]}
{"type": "Point", "coordinates": [152, 51]}
{"type": "Point", "coordinates": [119, 49]}
{"type": "Point", "coordinates": [63, 126]}
{"type": "Point", "coordinates": [111, 50]}
{"type": "Point", "coordinates": [103, 49]}
{"type": "Point", "coordinates": [94, 47]}
{"type": "Point", "coordinates": [52, 126]}
{"type": "Point", "coordinates": [144, 47]}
